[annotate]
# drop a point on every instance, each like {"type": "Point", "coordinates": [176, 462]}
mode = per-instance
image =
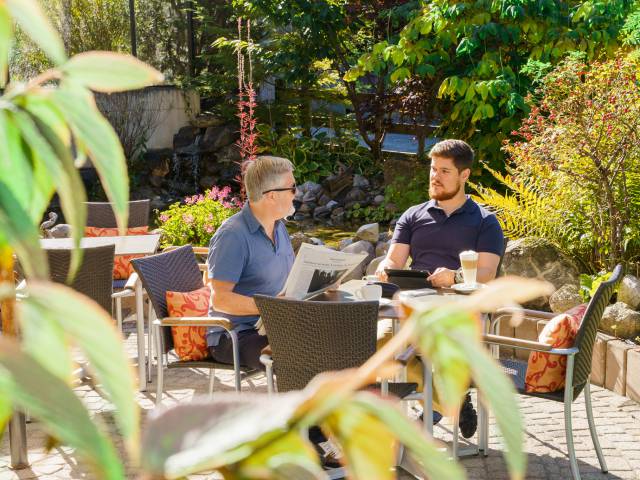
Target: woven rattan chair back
{"type": "Point", "coordinates": [100, 214]}
{"type": "Point", "coordinates": [93, 279]}
{"type": "Point", "coordinates": [308, 337]}
{"type": "Point", "coordinates": [175, 271]}
{"type": "Point", "coordinates": [589, 328]}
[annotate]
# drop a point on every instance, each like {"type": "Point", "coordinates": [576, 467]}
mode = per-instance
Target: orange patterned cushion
{"type": "Point", "coordinates": [122, 267]}
{"type": "Point", "coordinates": [190, 343]}
{"type": "Point", "coordinates": [546, 372]}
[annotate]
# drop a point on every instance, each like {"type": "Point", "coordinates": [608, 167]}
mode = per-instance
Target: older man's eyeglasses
{"type": "Point", "coordinates": [283, 189]}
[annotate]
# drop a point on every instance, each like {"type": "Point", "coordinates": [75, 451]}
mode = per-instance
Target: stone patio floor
{"type": "Point", "coordinates": [617, 420]}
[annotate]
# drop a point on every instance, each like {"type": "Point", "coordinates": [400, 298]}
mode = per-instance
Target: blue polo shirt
{"type": "Point", "coordinates": [436, 239]}
{"type": "Point", "coordinates": [241, 252]}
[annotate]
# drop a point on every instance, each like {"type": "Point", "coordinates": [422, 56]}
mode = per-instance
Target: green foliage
{"type": "Point", "coordinates": [317, 157]}
{"type": "Point", "coordinates": [479, 55]}
{"type": "Point", "coordinates": [369, 213]}
{"type": "Point", "coordinates": [47, 126]}
{"type": "Point", "coordinates": [195, 221]}
{"type": "Point", "coordinates": [590, 283]}
{"type": "Point", "coordinates": [405, 192]}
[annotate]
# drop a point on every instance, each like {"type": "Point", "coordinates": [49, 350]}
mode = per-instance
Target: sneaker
{"type": "Point", "coordinates": [468, 422]}
{"type": "Point", "coordinates": [437, 416]}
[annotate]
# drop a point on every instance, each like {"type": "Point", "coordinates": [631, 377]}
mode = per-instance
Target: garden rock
{"type": "Point", "coordinates": [378, 199]}
{"type": "Point", "coordinates": [310, 197]}
{"type": "Point", "coordinates": [360, 181]}
{"type": "Point", "coordinates": [629, 291]}
{"type": "Point", "coordinates": [384, 236]}
{"type": "Point", "coordinates": [186, 136]}
{"type": "Point", "coordinates": [322, 212]}
{"type": "Point", "coordinates": [301, 216]}
{"type": "Point", "coordinates": [217, 137]}
{"type": "Point", "coordinates": [621, 321]}
{"type": "Point", "coordinates": [324, 199]}
{"type": "Point", "coordinates": [345, 242]}
{"type": "Point", "coordinates": [355, 195]}
{"type": "Point", "coordinates": [207, 120]}
{"type": "Point", "coordinates": [306, 208]}
{"type": "Point", "coordinates": [360, 246]}
{"type": "Point", "coordinates": [565, 298]}
{"type": "Point", "coordinates": [297, 239]}
{"type": "Point", "coordinates": [537, 258]}
{"type": "Point", "coordinates": [332, 204]}
{"type": "Point", "coordinates": [337, 215]}
{"type": "Point", "coordinates": [228, 154]}
{"type": "Point", "coordinates": [371, 268]}
{"type": "Point", "coordinates": [369, 232]}
{"type": "Point", "coordinates": [382, 248]}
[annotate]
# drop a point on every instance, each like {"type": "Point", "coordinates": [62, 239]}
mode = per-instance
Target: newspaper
{"type": "Point", "coordinates": [317, 268]}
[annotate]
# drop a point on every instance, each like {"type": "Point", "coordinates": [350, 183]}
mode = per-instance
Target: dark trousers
{"type": "Point", "coordinates": [250, 344]}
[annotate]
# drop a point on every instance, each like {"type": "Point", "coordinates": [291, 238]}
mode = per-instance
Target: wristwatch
{"type": "Point", "coordinates": [458, 278]}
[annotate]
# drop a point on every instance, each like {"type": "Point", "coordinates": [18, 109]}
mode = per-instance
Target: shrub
{"type": "Point", "coordinates": [579, 152]}
{"type": "Point", "coordinates": [196, 220]}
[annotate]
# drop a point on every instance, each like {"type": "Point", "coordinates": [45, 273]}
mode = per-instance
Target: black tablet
{"type": "Point", "coordinates": [408, 279]}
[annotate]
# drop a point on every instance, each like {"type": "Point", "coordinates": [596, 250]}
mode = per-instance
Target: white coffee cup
{"type": "Point", "coordinates": [469, 263]}
{"type": "Point", "coordinates": [369, 292]}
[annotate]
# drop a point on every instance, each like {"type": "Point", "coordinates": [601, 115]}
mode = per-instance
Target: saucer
{"type": "Point", "coordinates": [385, 302]}
{"type": "Point", "coordinates": [467, 288]}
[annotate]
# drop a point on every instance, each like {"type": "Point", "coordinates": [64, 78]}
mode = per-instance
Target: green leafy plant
{"type": "Point", "coordinates": [47, 126]}
{"type": "Point", "coordinates": [260, 436]}
{"type": "Point", "coordinates": [405, 192]}
{"type": "Point", "coordinates": [475, 54]}
{"type": "Point", "coordinates": [195, 221]}
{"type": "Point", "coordinates": [369, 213]}
{"type": "Point", "coordinates": [590, 283]}
{"type": "Point", "coordinates": [317, 157]}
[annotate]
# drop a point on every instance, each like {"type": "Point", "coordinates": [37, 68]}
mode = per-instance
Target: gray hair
{"type": "Point", "coordinates": [263, 174]}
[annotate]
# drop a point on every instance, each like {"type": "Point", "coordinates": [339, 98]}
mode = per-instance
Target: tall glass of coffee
{"type": "Point", "coordinates": [469, 263]}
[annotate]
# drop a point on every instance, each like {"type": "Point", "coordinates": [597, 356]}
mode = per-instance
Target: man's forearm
{"type": "Point", "coordinates": [485, 275]}
{"type": "Point", "coordinates": [234, 304]}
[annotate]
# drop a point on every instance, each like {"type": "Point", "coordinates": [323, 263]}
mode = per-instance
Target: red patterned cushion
{"type": "Point", "coordinates": [122, 267]}
{"type": "Point", "coordinates": [190, 343]}
{"type": "Point", "coordinates": [546, 372]}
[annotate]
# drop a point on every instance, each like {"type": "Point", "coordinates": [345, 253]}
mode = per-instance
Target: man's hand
{"type": "Point", "coordinates": [442, 277]}
{"type": "Point", "coordinates": [380, 273]}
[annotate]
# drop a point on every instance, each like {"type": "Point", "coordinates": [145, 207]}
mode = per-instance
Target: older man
{"type": "Point", "coordinates": [435, 232]}
{"type": "Point", "coordinates": [251, 254]}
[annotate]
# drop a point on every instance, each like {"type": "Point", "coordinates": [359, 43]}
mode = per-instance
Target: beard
{"type": "Point", "coordinates": [443, 194]}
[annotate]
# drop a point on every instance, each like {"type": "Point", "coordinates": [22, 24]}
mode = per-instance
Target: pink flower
{"type": "Point", "coordinates": [210, 216]}
{"type": "Point", "coordinates": [164, 218]}
{"type": "Point", "coordinates": [187, 218]}
{"type": "Point", "coordinates": [209, 228]}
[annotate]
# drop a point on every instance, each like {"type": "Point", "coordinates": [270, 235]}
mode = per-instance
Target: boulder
{"type": "Point", "coordinates": [629, 291]}
{"type": "Point", "coordinates": [620, 320]}
{"type": "Point", "coordinates": [337, 215]}
{"type": "Point", "coordinates": [186, 136]}
{"type": "Point", "coordinates": [382, 248]}
{"type": "Point", "coordinates": [378, 199]}
{"type": "Point", "coordinates": [207, 120]}
{"type": "Point", "coordinates": [360, 246]}
{"type": "Point", "coordinates": [537, 258]}
{"type": "Point", "coordinates": [371, 268]}
{"type": "Point", "coordinates": [297, 239]}
{"type": "Point", "coordinates": [566, 297]}
{"type": "Point", "coordinates": [307, 207]}
{"type": "Point", "coordinates": [332, 204]}
{"type": "Point", "coordinates": [301, 216]}
{"type": "Point", "coordinates": [309, 197]}
{"type": "Point", "coordinates": [324, 199]}
{"type": "Point", "coordinates": [355, 195]}
{"type": "Point", "coordinates": [345, 242]}
{"type": "Point", "coordinates": [385, 236]}
{"type": "Point", "coordinates": [360, 181]}
{"type": "Point", "coordinates": [217, 137]}
{"type": "Point", "coordinates": [369, 232]}
{"type": "Point", "coordinates": [322, 211]}
{"type": "Point", "coordinates": [316, 241]}
{"type": "Point", "coordinates": [228, 154]}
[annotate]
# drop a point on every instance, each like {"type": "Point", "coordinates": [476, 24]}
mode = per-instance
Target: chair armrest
{"type": "Point", "coordinates": [131, 282]}
{"type": "Point", "coordinates": [196, 322]}
{"type": "Point", "coordinates": [526, 312]}
{"type": "Point", "coordinates": [203, 267]}
{"type": "Point", "coordinates": [527, 345]}
{"type": "Point", "coordinates": [201, 250]}
{"type": "Point", "coordinates": [123, 293]}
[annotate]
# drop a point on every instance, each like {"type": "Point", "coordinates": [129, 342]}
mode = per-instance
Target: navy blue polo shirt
{"type": "Point", "coordinates": [436, 239]}
{"type": "Point", "coordinates": [241, 252]}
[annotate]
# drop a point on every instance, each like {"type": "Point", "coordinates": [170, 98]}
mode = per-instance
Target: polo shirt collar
{"type": "Point", "coordinates": [466, 206]}
{"type": "Point", "coordinates": [252, 222]}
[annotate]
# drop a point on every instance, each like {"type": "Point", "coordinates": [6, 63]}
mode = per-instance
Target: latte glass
{"type": "Point", "coordinates": [469, 263]}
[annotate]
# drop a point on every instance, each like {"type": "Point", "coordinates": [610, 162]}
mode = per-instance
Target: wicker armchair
{"type": "Point", "coordinates": [93, 278]}
{"type": "Point", "coordinates": [311, 337]}
{"type": "Point", "coordinates": [178, 271]}
{"type": "Point", "coordinates": [100, 214]}
{"type": "Point", "coordinates": [578, 363]}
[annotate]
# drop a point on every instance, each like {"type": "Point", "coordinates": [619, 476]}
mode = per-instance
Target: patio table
{"type": "Point", "coordinates": [125, 245]}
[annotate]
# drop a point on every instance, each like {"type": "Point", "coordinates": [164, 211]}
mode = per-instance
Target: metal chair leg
{"type": "Point", "coordinates": [159, 364]}
{"type": "Point", "coordinates": [455, 430]}
{"type": "Point", "coordinates": [119, 313]}
{"type": "Point", "coordinates": [236, 360]}
{"type": "Point", "coordinates": [150, 318]}
{"type": "Point", "coordinates": [18, 441]}
{"type": "Point", "coordinates": [592, 428]}
{"type": "Point", "coordinates": [568, 428]}
{"type": "Point", "coordinates": [212, 378]}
